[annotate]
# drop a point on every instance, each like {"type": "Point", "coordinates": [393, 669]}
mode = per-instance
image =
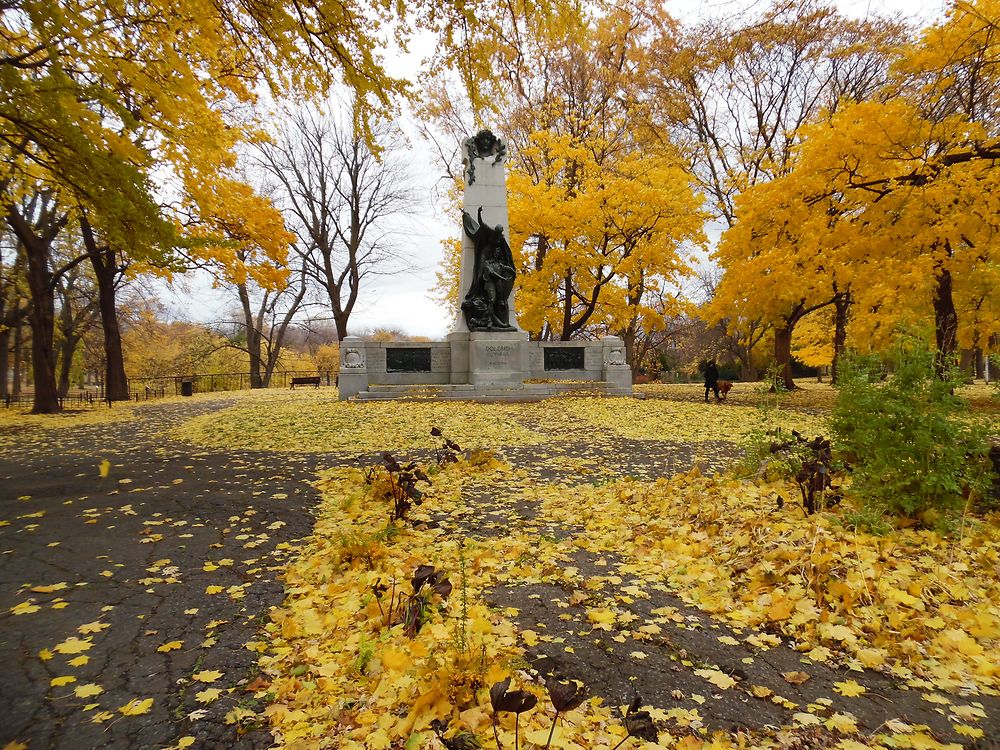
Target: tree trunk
{"type": "Point", "coordinates": [18, 358]}
{"type": "Point", "coordinates": [783, 353]}
{"type": "Point", "coordinates": [980, 364]}
{"type": "Point", "coordinates": [102, 258]}
{"type": "Point", "coordinates": [42, 318]}
{"type": "Point", "coordinates": [66, 351]}
{"type": "Point", "coordinates": [967, 363]}
{"type": "Point", "coordinates": [4, 362]}
{"type": "Point", "coordinates": [567, 306]}
{"type": "Point", "coordinates": [945, 320]}
{"type": "Point", "coordinates": [628, 336]}
{"type": "Point", "coordinates": [842, 304]}
{"type": "Point", "coordinates": [253, 337]}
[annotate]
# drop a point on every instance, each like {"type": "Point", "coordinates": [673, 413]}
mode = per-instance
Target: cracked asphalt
{"type": "Point", "coordinates": [138, 581]}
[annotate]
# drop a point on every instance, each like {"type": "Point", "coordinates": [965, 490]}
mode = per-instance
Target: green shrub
{"type": "Point", "coordinates": [906, 435]}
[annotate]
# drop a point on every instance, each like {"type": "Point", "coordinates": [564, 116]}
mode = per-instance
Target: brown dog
{"type": "Point", "coordinates": [724, 388]}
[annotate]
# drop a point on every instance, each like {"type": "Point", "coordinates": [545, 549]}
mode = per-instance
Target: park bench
{"type": "Point", "coordinates": [312, 380]}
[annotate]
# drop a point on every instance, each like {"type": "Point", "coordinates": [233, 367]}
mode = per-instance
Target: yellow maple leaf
{"type": "Point", "coordinates": [973, 732]}
{"type": "Point", "coordinates": [208, 695]}
{"type": "Point", "coordinates": [49, 588]}
{"type": "Point", "coordinates": [847, 744]}
{"type": "Point", "coordinates": [871, 657]}
{"type": "Point", "coordinates": [842, 723]}
{"type": "Point", "coordinates": [206, 675]}
{"type": "Point", "coordinates": [395, 659]}
{"type": "Point", "coordinates": [716, 677]}
{"type": "Point", "coordinates": [849, 689]}
{"type": "Point", "coordinates": [24, 608]}
{"type": "Point", "coordinates": [73, 645]}
{"type": "Point", "coordinates": [780, 610]}
{"type": "Point", "coordinates": [60, 681]}
{"type": "Point", "coordinates": [213, 589]}
{"type": "Point", "coordinates": [603, 618]}
{"type": "Point", "coordinates": [820, 653]}
{"type": "Point", "coordinates": [92, 627]}
{"type": "Point", "coordinates": [170, 646]}
{"type": "Point", "coordinates": [136, 707]}
{"type": "Point", "coordinates": [105, 468]}
{"type": "Point", "coordinates": [87, 691]}
{"type": "Point", "coordinates": [79, 661]}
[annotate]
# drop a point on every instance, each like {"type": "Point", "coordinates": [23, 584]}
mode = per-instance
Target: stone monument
{"type": "Point", "coordinates": [487, 355]}
{"type": "Point", "coordinates": [486, 325]}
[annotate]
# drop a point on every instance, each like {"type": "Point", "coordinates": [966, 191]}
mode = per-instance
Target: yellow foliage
{"type": "Point", "coordinates": [889, 199]}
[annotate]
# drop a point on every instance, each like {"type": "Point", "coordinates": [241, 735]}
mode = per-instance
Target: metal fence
{"type": "Point", "coordinates": [147, 389]}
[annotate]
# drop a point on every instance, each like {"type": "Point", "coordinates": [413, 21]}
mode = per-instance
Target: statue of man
{"type": "Point", "coordinates": [485, 304]}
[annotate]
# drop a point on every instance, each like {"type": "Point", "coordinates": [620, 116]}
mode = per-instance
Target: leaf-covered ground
{"type": "Point", "coordinates": [317, 422]}
{"type": "Point", "coordinates": [129, 588]}
{"type": "Point", "coordinates": [583, 548]}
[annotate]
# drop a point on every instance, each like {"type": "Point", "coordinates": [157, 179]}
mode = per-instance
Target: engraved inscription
{"type": "Point", "coordinates": [498, 356]}
{"type": "Point", "coordinates": [408, 360]}
{"type": "Point", "coordinates": [564, 357]}
{"type": "Point", "coordinates": [440, 359]}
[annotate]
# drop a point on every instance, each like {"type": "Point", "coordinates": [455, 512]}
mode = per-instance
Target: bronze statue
{"type": "Point", "coordinates": [485, 304]}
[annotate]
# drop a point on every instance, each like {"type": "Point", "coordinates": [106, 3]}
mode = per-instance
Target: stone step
{"type": "Point", "coordinates": [466, 392]}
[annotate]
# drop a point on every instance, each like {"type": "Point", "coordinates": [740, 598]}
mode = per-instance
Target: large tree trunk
{"type": "Point", "coordinates": [66, 351]}
{"type": "Point", "coordinates": [783, 352]}
{"type": "Point", "coordinates": [842, 305]}
{"type": "Point", "coordinates": [42, 317]}
{"type": "Point", "coordinates": [945, 321]}
{"type": "Point", "coordinates": [4, 363]}
{"type": "Point", "coordinates": [102, 258]}
{"type": "Point", "coordinates": [967, 363]}
{"type": "Point", "coordinates": [253, 337]}
{"type": "Point", "coordinates": [980, 364]}
{"type": "Point", "coordinates": [37, 252]}
{"type": "Point", "coordinates": [18, 358]}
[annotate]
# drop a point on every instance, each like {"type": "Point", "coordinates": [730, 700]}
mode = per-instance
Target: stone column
{"type": "Point", "coordinates": [486, 188]}
{"type": "Point", "coordinates": [486, 358]}
{"type": "Point", "coordinates": [353, 375]}
{"type": "Point", "coordinates": [617, 373]}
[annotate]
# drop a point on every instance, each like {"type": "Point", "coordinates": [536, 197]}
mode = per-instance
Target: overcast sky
{"type": "Point", "coordinates": [403, 301]}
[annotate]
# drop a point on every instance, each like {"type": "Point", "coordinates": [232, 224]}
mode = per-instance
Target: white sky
{"type": "Point", "coordinates": [403, 301]}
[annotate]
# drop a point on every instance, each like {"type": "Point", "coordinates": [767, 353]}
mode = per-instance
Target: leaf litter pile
{"type": "Point", "coordinates": [447, 603]}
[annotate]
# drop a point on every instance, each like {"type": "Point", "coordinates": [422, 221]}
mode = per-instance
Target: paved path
{"type": "Point", "coordinates": [117, 570]}
{"type": "Point", "coordinates": [143, 582]}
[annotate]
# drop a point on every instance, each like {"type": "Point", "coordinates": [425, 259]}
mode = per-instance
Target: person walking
{"type": "Point", "coordinates": [712, 380]}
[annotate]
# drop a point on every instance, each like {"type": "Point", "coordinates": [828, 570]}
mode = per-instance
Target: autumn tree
{"type": "Point", "coordinates": [343, 201]}
{"type": "Point", "coordinates": [265, 316]}
{"type": "Point", "coordinates": [735, 94]}
{"type": "Point", "coordinates": [893, 200]}
{"type": "Point", "coordinates": [100, 106]}
{"type": "Point", "coordinates": [599, 211]}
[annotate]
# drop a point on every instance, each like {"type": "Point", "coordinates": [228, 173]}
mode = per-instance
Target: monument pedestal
{"type": "Point", "coordinates": [498, 358]}
{"type": "Point", "coordinates": [459, 342]}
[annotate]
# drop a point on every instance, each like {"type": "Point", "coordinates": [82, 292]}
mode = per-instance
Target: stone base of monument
{"type": "Point", "coordinates": [498, 358]}
{"type": "Point", "coordinates": [483, 366]}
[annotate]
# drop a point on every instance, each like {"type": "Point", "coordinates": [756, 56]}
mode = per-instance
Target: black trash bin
{"type": "Point", "coordinates": [187, 387]}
